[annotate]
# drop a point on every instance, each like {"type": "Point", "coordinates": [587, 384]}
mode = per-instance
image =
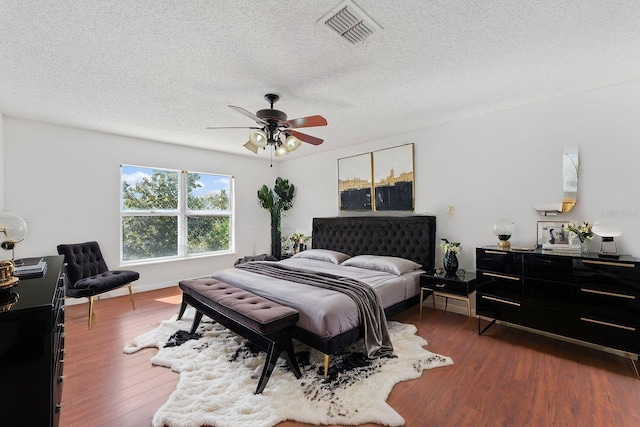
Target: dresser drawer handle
{"type": "Point", "coordinates": [501, 300]}
{"type": "Point", "coordinates": [58, 407]}
{"type": "Point", "coordinates": [613, 325]}
{"type": "Point", "coordinates": [612, 264]}
{"type": "Point", "coordinates": [441, 285]}
{"type": "Point", "coordinates": [501, 276]}
{"type": "Point", "coordinates": [495, 253]}
{"type": "Point", "coordinates": [609, 294]}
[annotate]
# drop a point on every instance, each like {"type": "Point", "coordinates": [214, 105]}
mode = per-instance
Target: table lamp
{"type": "Point", "coordinates": [608, 247]}
{"type": "Point", "coordinates": [503, 229]}
{"type": "Point", "coordinates": [14, 230]}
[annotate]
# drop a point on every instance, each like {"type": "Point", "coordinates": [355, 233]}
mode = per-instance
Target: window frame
{"type": "Point", "coordinates": [182, 213]}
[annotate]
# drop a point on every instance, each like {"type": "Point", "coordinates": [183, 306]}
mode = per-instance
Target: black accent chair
{"type": "Point", "coordinates": [87, 275]}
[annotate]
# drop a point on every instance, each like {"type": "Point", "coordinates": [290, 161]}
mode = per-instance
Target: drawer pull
{"type": "Point", "coordinates": [441, 285]}
{"type": "Point", "coordinates": [502, 276]}
{"type": "Point", "coordinates": [495, 253]}
{"type": "Point", "coordinates": [609, 263]}
{"type": "Point", "coordinates": [613, 325]}
{"type": "Point", "coordinates": [61, 378]}
{"type": "Point", "coordinates": [58, 407]}
{"type": "Point", "coordinates": [609, 294]}
{"type": "Point", "coordinates": [501, 301]}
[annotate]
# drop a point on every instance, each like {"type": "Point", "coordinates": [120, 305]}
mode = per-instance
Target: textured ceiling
{"type": "Point", "coordinates": [164, 70]}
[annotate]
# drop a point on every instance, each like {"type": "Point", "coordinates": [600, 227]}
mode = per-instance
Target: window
{"type": "Point", "coordinates": [174, 214]}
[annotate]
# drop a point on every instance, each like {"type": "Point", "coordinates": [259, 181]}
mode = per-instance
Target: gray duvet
{"type": "Point", "coordinates": [324, 312]}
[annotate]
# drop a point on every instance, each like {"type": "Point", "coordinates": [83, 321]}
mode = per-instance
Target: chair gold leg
{"type": "Point", "coordinates": [326, 365]}
{"type": "Point", "coordinates": [90, 311]}
{"type": "Point", "coordinates": [131, 296]}
{"type": "Point", "coordinates": [634, 364]}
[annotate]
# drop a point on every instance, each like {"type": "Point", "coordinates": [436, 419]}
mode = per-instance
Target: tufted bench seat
{"type": "Point", "coordinates": [264, 322]}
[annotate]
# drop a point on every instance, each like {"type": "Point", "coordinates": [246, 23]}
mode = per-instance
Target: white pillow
{"type": "Point", "coordinates": [387, 264]}
{"type": "Point", "coordinates": [323, 255]}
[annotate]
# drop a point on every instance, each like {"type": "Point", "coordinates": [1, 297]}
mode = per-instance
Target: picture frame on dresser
{"type": "Point", "coordinates": [553, 235]}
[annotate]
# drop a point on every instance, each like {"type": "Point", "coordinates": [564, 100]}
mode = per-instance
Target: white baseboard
{"type": "Point", "coordinates": [122, 291]}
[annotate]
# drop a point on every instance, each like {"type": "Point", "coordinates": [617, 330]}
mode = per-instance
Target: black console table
{"type": "Point", "coordinates": [32, 349]}
{"type": "Point", "coordinates": [587, 298]}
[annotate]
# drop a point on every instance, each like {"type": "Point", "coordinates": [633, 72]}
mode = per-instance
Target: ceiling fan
{"type": "Point", "coordinates": [274, 129]}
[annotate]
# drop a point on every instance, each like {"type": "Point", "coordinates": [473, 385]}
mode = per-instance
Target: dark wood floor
{"type": "Point", "coordinates": [507, 377]}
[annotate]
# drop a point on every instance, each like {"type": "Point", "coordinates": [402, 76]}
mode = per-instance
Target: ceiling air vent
{"type": "Point", "coordinates": [350, 22]}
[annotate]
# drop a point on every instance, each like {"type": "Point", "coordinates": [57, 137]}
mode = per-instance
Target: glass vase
{"type": "Point", "coordinates": [584, 249]}
{"type": "Point", "coordinates": [450, 262]}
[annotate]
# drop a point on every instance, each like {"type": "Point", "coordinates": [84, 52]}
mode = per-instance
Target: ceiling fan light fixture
{"type": "Point", "coordinates": [274, 129]}
{"type": "Point", "coordinates": [251, 147]}
{"type": "Point", "coordinates": [281, 151]}
{"type": "Point", "coordinates": [292, 143]}
{"type": "Point", "coordinates": [258, 138]}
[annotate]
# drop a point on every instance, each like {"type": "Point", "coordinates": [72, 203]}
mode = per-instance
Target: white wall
{"type": "Point", "coordinates": [65, 183]}
{"type": "Point", "coordinates": [497, 166]}
{"type": "Point", "coordinates": [1, 163]}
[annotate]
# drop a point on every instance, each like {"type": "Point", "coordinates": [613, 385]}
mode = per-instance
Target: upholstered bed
{"type": "Point", "coordinates": [329, 320]}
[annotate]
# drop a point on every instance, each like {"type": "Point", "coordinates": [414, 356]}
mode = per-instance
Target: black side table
{"type": "Point", "coordinates": [448, 286]}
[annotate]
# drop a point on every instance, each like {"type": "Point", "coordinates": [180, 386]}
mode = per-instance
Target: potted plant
{"type": "Point", "coordinates": [298, 240]}
{"type": "Point", "coordinates": [583, 232]}
{"type": "Point", "coordinates": [277, 201]}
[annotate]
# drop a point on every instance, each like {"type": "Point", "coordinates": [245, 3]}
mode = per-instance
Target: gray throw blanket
{"type": "Point", "coordinates": [377, 342]}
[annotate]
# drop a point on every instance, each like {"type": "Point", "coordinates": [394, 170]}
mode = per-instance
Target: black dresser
{"type": "Point", "coordinates": [591, 299]}
{"type": "Point", "coordinates": [32, 349]}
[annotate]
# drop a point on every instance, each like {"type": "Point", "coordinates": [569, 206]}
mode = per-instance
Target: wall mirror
{"type": "Point", "coordinates": [570, 172]}
{"type": "Point", "coordinates": [570, 167]}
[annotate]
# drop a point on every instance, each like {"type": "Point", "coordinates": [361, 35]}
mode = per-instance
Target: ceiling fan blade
{"type": "Point", "coordinates": [249, 146]}
{"type": "Point", "coordinates": [306, 138]}
{"type": "Point", "coordinates": [248, 114]}
{"type": "Point", "coordinates": [307, 122]}
{"type": "Point", "coordinates": [232, 127]}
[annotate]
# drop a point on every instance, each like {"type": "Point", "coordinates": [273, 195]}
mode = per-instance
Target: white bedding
{"type": "Point", "coordinates": [323, 312]}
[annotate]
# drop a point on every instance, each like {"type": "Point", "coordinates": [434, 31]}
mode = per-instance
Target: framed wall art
{"type": "Point", "coordinates": [354, 183]}
{"type": "Point", "coordinates": [393, 183]}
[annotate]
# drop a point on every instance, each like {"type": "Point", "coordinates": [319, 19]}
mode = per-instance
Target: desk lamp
{"type": "Point", "coordinates": [14, 230]}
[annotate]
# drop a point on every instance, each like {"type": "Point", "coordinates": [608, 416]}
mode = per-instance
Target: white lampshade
{"type": "Point", "coordinates": [258, 138]}
{"type": "Point", "coordinates": [292, 143]}
{"type": "Point", "coordinates": [281, 150]}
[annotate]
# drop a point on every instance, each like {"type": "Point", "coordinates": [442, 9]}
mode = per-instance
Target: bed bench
{"type": "Point", "coordinates": [265, 323]}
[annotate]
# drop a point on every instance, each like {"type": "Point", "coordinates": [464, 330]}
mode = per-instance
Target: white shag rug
{"type": "Point", "coordinates": [219, 373]}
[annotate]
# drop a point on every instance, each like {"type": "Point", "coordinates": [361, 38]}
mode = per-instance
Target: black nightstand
{"type": "Point", "coordinates": [448, 286]}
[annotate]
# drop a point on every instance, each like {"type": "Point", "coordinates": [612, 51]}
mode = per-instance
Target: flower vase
{"type": "Point", "coordinates": [584, 249]}
{"type": "Point", "coordinates": [450, 262]}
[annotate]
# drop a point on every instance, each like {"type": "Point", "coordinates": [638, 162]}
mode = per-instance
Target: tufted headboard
{"type": "Point", "coordinates": [411, 237]}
